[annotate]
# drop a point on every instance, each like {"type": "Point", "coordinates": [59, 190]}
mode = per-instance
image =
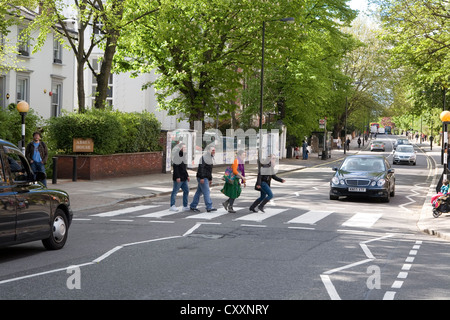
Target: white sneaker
{"type": "Point", "coordinates": [174, 208]}
{"type": "Point", "coordinates": [186, 209]}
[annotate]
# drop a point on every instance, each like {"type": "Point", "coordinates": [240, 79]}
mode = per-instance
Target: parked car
{"type": "Point", "coordinates": [29, 211]}
{"type": "Point", "coordinates": [377, 145]}
{"type": "Point", "coordinates": [363, 176]}
{"type": "Point", "coordinates": [404, 154]}
{"type": "Point", "coordinates": [399, 142]}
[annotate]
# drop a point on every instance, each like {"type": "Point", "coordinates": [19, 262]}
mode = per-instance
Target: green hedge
{"type": "Point", "coordinates": [11, 124]}
{"type": "Point", "coordinates": [112, 131]}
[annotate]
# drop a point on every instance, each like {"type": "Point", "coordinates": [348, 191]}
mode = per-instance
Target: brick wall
{"type": "Point", "coordinates": [91, 167]}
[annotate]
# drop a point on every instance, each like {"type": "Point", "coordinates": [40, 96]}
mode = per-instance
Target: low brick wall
{"type": "Point", "coordinates": [92, 167]}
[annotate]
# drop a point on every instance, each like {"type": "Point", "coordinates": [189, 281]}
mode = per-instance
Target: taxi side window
{"type": "Point", "coordinates": [16, 166]}
{"type": "Point", "coordinates": [2, 175]}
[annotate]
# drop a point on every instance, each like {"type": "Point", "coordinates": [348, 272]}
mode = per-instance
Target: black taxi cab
{"type": "Point", "coordinates": [28, 210]}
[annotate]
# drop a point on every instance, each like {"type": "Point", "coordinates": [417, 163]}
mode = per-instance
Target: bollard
{"type": "Point", "coordinates": [74, 168]}
{"type": "Point", "coordinates": [55, 170]}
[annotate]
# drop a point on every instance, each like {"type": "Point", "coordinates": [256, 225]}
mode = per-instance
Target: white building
{"type": "Point", "coordinates": [44, 79]}
{"type": "Point", "coordinates": [47, 81]}
{"type": "Point", "coordinates": [125, 93]}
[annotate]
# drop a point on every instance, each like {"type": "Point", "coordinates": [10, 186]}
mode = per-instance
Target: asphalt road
{"type": "Point", "coordinates": [305, 247]}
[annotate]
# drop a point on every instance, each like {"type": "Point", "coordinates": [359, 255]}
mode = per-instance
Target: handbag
{"type": "Point", "coordinates": [229, 175]}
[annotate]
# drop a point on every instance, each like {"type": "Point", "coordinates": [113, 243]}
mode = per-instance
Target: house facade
{"type": "Point", "coordinates": [47, 79]}
{"type": "Point", "coordinates": [44, 79]}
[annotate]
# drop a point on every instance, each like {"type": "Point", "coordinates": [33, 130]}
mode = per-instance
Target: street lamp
{"type": "Point", "coordinates": [288, 20]}
{"type": "Point", "coordinates": [23, 108]}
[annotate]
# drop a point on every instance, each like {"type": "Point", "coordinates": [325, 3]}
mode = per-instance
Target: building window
{"type": "Point", "coordinates": [98, 27]}
{"type": "Point", "coordinates": [56, 100]}
{"type": "Point", "coordinates": [23, 88]}
{"type": "Point", "coordinates": [23, 43]}
{"type": "Point", "coordinates": [57, 51]}
{"type": "Point", "coordinates": [96, 65]}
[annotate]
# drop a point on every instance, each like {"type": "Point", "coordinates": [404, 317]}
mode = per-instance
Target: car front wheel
{"type": "Point", "coordinates": [59, 233]}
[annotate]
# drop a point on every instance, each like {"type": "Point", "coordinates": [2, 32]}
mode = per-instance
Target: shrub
{"type": "Point", "coordinates": [111, 131]}
{"type": "Point", "coordinates": [141, 132]}
{"type": "Point", "coordinates": [11, 124]}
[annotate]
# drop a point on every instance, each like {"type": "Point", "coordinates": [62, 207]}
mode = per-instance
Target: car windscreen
{"type": "Point", "coordinates": [363, 164]}
{"type": "Point", "coordinates": [405, 149]}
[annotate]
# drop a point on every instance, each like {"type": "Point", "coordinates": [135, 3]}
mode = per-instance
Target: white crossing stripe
{"type": "Point", "coordinates": [122, 211]}
{"type": "Point", "coordinates": [260, 216]}
{"type": "Point", "coordinates": [311, 217]}
{"type": "Point", "coordinates": [160, 214]}
{"type": "Point", "coordinates": [211, 215]}
{"type": "Point", "coordinates": [363, 220]}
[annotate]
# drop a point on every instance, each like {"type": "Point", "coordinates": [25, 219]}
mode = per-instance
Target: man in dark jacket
{"type": "Point", "coordinates": [180, 176]}
{"type": "Point", "coordinates": [204, 180]}
{"type": "Point", "coordinates": [36, 153]}
{"type": "Point", "coordinates": [265, 175]}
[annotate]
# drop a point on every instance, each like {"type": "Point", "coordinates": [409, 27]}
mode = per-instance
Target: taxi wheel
{"type": "Point", "coordinates": [59, 233]}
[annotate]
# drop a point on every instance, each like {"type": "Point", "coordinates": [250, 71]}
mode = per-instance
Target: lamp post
{"type": "Point", "coordinates": [261, 100]}
{"type": "Point", "coordinates": [23, 108]}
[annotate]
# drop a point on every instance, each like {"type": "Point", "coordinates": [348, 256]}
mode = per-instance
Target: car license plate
{"type": "Point", "coordinates": [354, 189]}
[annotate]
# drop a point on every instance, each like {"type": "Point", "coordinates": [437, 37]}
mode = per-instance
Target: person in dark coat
{"type": "Point", "coordinates": [204, 179]}
{"type": "Point", "coordinates": [265, 175]}
{"type": "Point", "coordinates": [36, 153]}
{"type": "Point", "coordinates": [180, 177]}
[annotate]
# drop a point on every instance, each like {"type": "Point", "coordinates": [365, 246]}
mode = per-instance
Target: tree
{"type": "Point", "coordinates": [369, 78]}
{"type": "Point", "coordinates": [11, 14]}
{"type": "Point", "coordinates": [106, 20]}
{"type": "Point", "coordinates": [419, 31]}
{"type": "Point", "coordinates": [205, 51]}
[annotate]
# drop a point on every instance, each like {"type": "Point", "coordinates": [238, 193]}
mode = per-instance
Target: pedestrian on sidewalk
{"type": "Point", "coordinates": [347, 144]}
{"type": "Point", "coordinates": [36, 153]}
{"type": "Point", "coordinates": [305, 150]}
{"type": "Point", "coordinates": [180, 176]}
{"type": "Point", "coordinates": [232, 187]}
{"type": "Point", "coordinates": [204, 180]}
{"type": "Point", "coordinates": [265, 175]}
{"type": "Point", "coordinates": [359, 142]}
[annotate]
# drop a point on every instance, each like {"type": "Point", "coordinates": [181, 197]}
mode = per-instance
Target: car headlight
{"type": "Point", "coordinates": [335, 180]}
{"type": "Point", "coordinates": [381, 182]}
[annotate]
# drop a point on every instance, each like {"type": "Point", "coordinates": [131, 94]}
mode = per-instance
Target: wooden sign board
{"type": "Point", "coordinates": [83, 145]}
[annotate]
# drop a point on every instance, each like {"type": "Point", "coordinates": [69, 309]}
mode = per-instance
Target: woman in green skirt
{"type": "Point", "coordinates": [232, 188]}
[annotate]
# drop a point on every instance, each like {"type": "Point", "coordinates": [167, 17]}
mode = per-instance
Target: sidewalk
{"type": "Point", "coordinates": [440, 226]}
{"type": "Point", "coordinates": [89, 194]}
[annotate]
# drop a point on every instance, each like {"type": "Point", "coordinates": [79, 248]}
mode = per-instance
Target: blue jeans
{"type": "Point", "coordinates": [176, 186]}
{"type": "Point", "coordinates": [39, 167]}
{"type": "Point", "coordinates": [266, 192]}
{"type": "Point", "coordinates": [202, 189]}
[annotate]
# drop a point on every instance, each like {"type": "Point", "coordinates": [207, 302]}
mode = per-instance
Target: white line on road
{"type": "Point", "coordinates": [122, 211]}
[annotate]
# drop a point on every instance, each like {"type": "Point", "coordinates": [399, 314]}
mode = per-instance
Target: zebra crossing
{"type": "Point", "coordinates": [307, 218]}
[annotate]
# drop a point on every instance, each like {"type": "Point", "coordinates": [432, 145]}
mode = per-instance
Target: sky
{"type": "Point", "coordinates": [358, 4]}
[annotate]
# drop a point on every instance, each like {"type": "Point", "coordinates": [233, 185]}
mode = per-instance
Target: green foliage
{"type": "Point", "coordinates": [112, 131]}
{"type": "Point", "coordinates": [141, 132]}
{"type": "Point", "coordinates": [11, 124]}
{"type": "Point", "coordinates": [202, 50]}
